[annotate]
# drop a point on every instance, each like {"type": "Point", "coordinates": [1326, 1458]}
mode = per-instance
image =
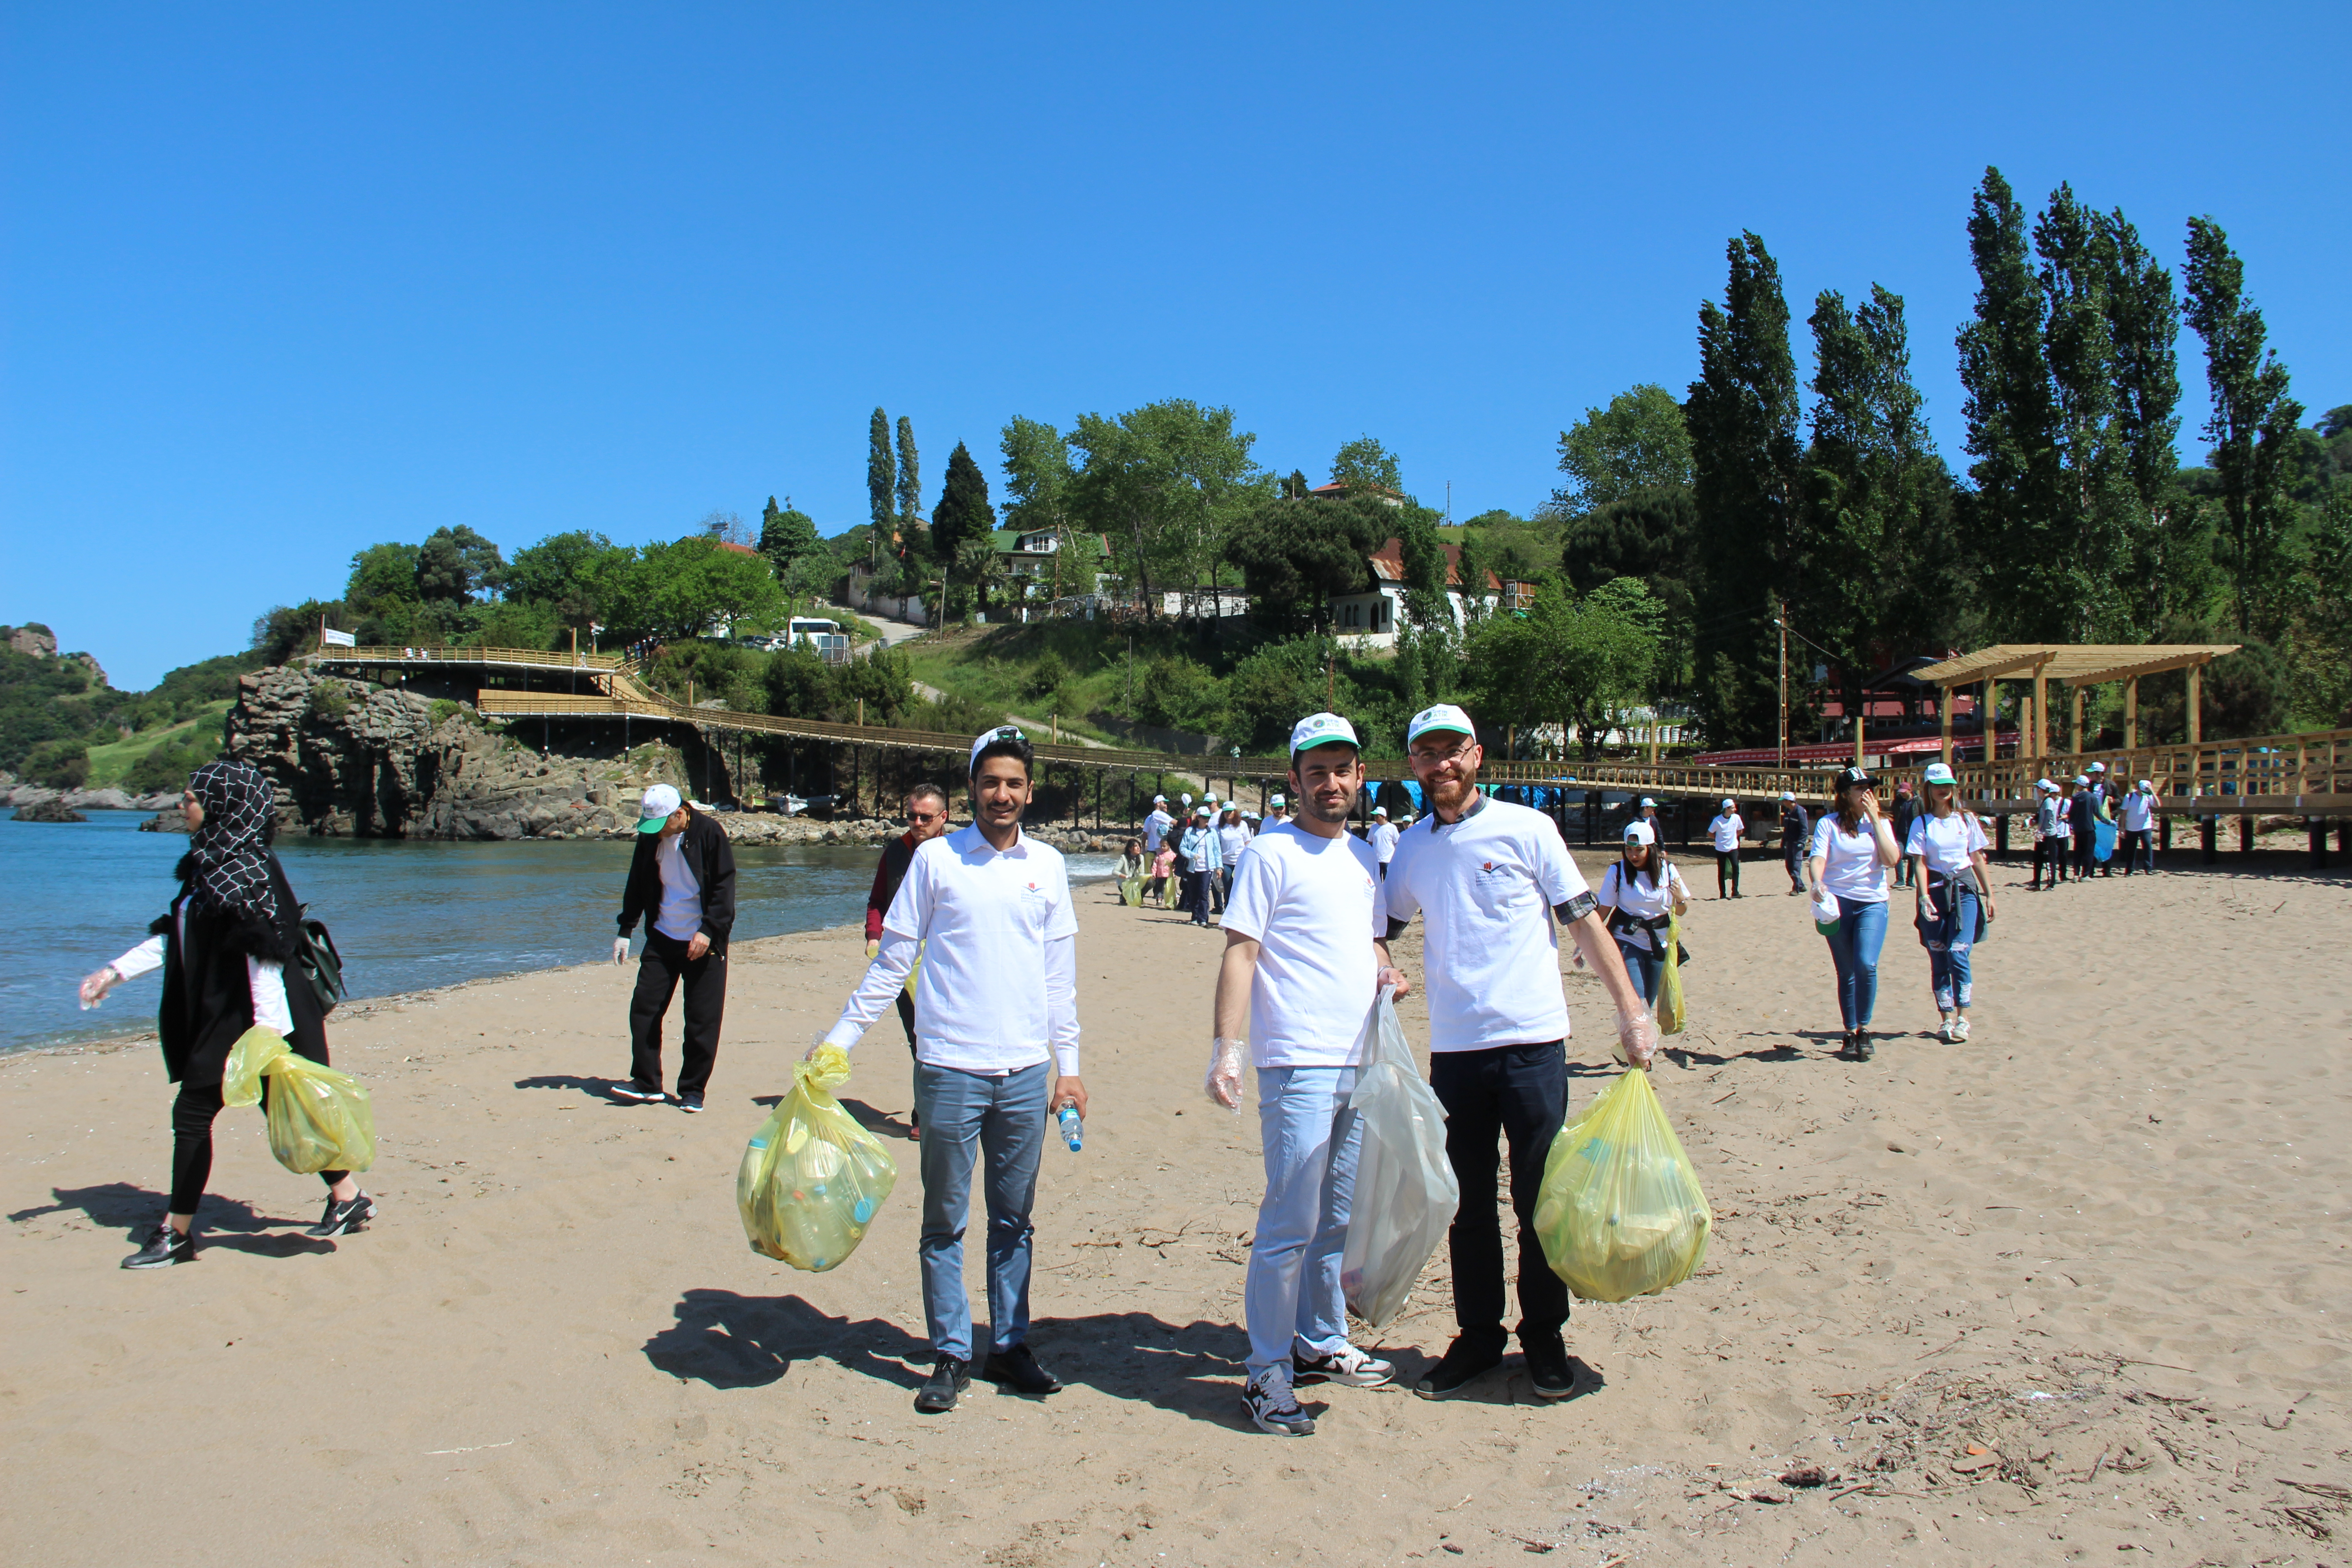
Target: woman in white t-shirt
{"type": "Point", "coordinates": [1725, 830]}
{"type": "Point", "coordinates": [1634, 897]}
{"type": "Point", "coordinates": [1851, 851]}
{"type": "Point", "coordinates": [1954, 887]}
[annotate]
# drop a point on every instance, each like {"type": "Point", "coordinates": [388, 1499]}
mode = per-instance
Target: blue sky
{"type": "Point", "coordinates": [278, 281]}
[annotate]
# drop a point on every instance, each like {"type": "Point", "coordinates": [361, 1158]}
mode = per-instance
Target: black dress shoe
{"type": "Point", "coordinates": [1463, 1363]}
{"type": "Point", "coordinates": [1017, 1369]}
{"type": "Point", "coordinates": [163, 1249]}
{"type": "Point", "coordinates": [949, 1379]}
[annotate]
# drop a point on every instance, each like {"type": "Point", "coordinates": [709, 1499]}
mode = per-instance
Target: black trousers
{"type": "Point", "coordinates": [2053, 851]}
{"type": "Point", "coordinates": [659, 973]}
{"type": "Point", "coordinates": [1518, 1093]}
{"type": "Point", "coordinates": [191, 1142]}
{"type": "Point", "coordinates": [1792, 861]}
{"type": "Point", "coordinates": [2135, 847]}
{"type": "Point", "coordinates": [1727, 872]}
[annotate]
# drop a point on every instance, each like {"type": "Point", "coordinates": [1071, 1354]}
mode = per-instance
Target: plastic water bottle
{"type": "Point", "coordinates": [1073, 1131]}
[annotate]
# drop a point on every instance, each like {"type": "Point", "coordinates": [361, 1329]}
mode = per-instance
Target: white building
{"type": "Point", "coordinates": [1371, 616]}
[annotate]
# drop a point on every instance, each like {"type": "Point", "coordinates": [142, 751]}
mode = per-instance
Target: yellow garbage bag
{"type": "Point", "coordinates": [1669, 1009]}
{"type": "Point", "coordinates": [319, 1120]}
{"type": "Point", "coordinates": [1620, 1213]}
{"type": "Point", "coordinates": [1130, 891]}
{"type": "Point", "coordinates": [812, 1178]}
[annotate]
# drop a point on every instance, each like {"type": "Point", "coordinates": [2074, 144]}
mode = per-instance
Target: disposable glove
{"type": "Point", "coordinates": [1224, 1082]}
{"type": "Point", "coordinates": [620, 949]}
{"type": "Point", "coordinates": [1637, 1036]}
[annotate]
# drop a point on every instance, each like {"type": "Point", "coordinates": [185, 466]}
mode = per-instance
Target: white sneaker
{"type": "Point", "coordinates": [1949, 1032]}
{"type": "Point", "coordinates": [1267, 1400]}
{"type": "Point", "coordinates": [1961, 1028]}
{"type": "Point", "coordinates": [1346, 1364]}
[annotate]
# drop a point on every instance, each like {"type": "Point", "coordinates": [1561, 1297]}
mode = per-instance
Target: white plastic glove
{"type": "Point", "coordinates": [872, 949]}
{"type": "Point", "coordinates": [814, 1046]}
{"type": "Point", "coordinates": [1637, 1036]}
{"type": "Point", "coordinates": [620, 949]}
{"type": "Point", "coordinates": [94, 987]}
{"type": "Point", "coordinates": [1224, 1082]}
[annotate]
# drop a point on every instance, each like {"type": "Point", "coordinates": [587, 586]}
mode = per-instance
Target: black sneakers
{"type": "Point", "coordinates": [1549, 1373]}
{"type": "Point", "coordinates": [1017, 1369]}
{"type": "Point", "coordinates": [948, 1380]}
{"type": "Point", "coordinates": [342, 1219]}
{"type": "Point", "coordinates": [690, 1103]}
{"type": "Point", "coordinates": [1463, 1363]}
{"type": "Point", "coordinates": [637, 1094]}
{"type": "Point", "coordinates": [164, 1247]}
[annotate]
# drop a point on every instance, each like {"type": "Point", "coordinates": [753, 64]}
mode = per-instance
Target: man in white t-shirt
{"type": "Point", "coordinates": [2135, 837]}
{"type": "Point", "coordinates": [1277, 811]}
{"type": "Point", "coordinates": [1382, 838]}
{"type": "Point", "coordinates": [1304, 959]}
{"type": "Point", "coordinates": [996, 1052]}
{"type": "Point", "coordinates": [1156, 825]}
{"type": "Point", "coordinates": [1490, 879]}
{"type": "Point", "coordinates": [1725, 830]}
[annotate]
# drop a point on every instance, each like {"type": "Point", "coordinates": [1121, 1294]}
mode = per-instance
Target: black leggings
{"type": "Point", "coordinates": [1726, 871]}
{"type": "Point", "coordinates": [192, 1143]}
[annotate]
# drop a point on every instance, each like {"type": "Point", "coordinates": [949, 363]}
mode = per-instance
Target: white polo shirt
{"type": "Point", "coordinates": [1946, 843]}
{"type": "Point", "coordinates": [997, 933]}
{"type": "Point", "coordinates": [1726, 829]}
{"type": "Point", "coordinates": [1488, 886]}
{"type": "Point", "coordinates": [1313, 906]}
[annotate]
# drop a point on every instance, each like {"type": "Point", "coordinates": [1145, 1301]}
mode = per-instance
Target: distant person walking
{"type": "Point", "coordinates": [926, 818]}
{"type": "Point", "coordinates": [1306, 957]}
{"type": "Point", "coordinates": [1156, 825]}
{"type": "Point", "coordinates": [1725, 830]}
{"type": "Point", "coordinates": [1637, 895]}
{"type": "Point", "coordinates": [223, 946]}
{"type": "Point", "coordinates": [1853, 851]}
{"type": "Point", "coordinates": [1382, 838]}
{"type": "Point", "coordinates": [1905, 812]}
{"type": "Point", "coordinates": [683, 877]}
{"type": "Point", "coordinates": [2050, 836]}
{"type": "Point", "coordinates": [1233, 837]}
{"type": "Point", "coordinates": [1946, 847]}
{"type": "Point", "coordinates": [1796, 833]}
{"type": "Point", "coordinates": [2135, 844]}
{"type": "Point", "coordinates": [1198, 849]}
{"type": "Point", "coordinates": [2082, 823]}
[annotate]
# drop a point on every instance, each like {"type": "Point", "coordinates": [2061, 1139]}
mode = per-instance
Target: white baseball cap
{"type": "Point", "coordinates": [1638, 833]}
{"type": "Point", "coordinates": [2044, 784]}
{"type": "Point", "coordinates": [661, 801]}
{"type": "Point", "coordinates": [2148, 786]}
{"type": "Point", "coordinates": [1788, 794]}
{"type": "Point", "coordinates": [2098, 767]}
{"type": "Point", "coordinates": [2081, 778]}
{"type": "Point", "coordinates": [1274, 803]}
{"type": "Point", "coordinates": [1649, 805]}
{"type": "Point", "coordinates": [1380, 811]}
{"type": "Point", "coordinates": [1729, 802]}
{"type": "Point", "coordinates": [1160, 800]}
{"type": "Point", "coordinates": [981, 742]}
{"type": "Point", "coordinates": [1442, 716]}
{"type": "Point", "coordinates": [1322, 730]}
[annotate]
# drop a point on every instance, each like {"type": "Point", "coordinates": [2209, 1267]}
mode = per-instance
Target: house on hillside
{"type": "Point", "coordinates": [1371, 616]}
{"type": "Point", "coordinates": [1029, 558]}
{"type": "Point", "coordinates": [1341, 489]}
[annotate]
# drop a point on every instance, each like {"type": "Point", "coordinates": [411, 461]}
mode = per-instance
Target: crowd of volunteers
{"type": "Point", "coordinates": [970, 936]}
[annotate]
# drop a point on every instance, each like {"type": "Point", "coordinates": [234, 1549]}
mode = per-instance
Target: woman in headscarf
{"type": "Point", "coordinates": [224, 947]}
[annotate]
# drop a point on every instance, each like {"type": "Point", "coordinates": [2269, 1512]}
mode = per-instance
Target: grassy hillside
{"type": "Point", "coordinates": [159, 757]}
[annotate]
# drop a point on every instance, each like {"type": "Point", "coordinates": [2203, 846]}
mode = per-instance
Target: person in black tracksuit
{"type": "Point", "coordinates": [683, 876]}
{"type": "Point", "coordinates": [1796, 830]}
{"type": "Point", "coordinates": [2083, 815]}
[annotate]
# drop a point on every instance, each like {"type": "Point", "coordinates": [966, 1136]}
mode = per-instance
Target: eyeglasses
{"type": "Point", "coordinates": [1430, 757]}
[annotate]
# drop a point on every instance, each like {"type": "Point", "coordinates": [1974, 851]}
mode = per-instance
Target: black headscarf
{"type": "Point", "coordinates": [227, 868]}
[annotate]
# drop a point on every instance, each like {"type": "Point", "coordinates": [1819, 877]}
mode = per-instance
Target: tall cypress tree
{"type": "Point", "coordinates": [2253, 424]}
{"type": "Point", "coordinates": [963, 512]}
{"type": "Point", "coordinates": [2143, 328]}
{"type": "Point", "coordinates": [911, 478]}
{"type": "Point", "coordinates": [881, 475]}
{"type": "Point", "coordinates": [1742, 418]}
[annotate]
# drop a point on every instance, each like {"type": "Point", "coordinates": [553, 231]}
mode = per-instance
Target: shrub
{"type": "Point", "coordinates": [1179, 693]}
{"type": "Point", "coordinates": [331, 700]}
{"type": "Point", "coordinates": [60, 765]}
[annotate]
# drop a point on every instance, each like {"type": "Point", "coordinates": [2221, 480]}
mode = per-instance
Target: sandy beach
{"type": "Point", "coordinates": [2067, 1291]}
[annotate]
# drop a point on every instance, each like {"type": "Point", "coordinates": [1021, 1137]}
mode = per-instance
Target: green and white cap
{"type": "Point", "coordinates": [1322, 730]}
{"type": "Point", "coordinates": [1442, 716]}
{"type": "Point", "coordinates": [654, 810]}
{"type": "Point", "coordinates": [1937, 774]}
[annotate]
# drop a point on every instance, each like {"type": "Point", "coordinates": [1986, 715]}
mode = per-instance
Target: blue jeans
{"type": "Point", "coordinates": [1292, 1292]}
{"type": "Point", "coordinates": [1645, 969]}
{"type": "Point", "coordinates": [1948, 963]}
{"type": "Point", "coordinates": [1853, 948]}
{"type": "Point", "coordinates": [966, 1115]}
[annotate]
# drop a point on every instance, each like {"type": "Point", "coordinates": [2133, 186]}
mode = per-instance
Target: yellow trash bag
{"type": "Point", "coordinates": [320, 1119]}
{"type": "Point", "coordinates": [1130, 891]}
{"type": "Point", "coordinates": [1669, 1010]}
{"type": "Point", "coordinates": [811, 1177]}
{"type": "Point", "coordinates": [1620, 1213]}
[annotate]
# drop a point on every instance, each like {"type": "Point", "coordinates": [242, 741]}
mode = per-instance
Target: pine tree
{"type": "Point", "coordinates": [1741, 415]}
{"type": "Point", "coordinates": [964, 513]}
{"type": "Point", "coordinates": [2253, 424]}
{"type": "Point", "coordinates": [786, 535]}
{"type": "Point", "coordinates": [881, 475]}
{"type": "Point", "coordinates": [2142, 327]}
{"type": "Point", "coordinates": [910, 481]}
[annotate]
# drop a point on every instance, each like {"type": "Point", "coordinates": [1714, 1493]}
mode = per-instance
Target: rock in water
{"type": "Point", "coordinates": [164, 822]}
{"type": "Point", "coordinates": [48, 811]}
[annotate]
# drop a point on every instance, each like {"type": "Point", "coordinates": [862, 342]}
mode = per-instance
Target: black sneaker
{"type": "Point", "coordinates": [637, 1094]}
{"type": "Point", "coordinates": [1267, 1401]}
{"type": "Point", "coordinates": [163, 1249]}
{"type": "Point", "coordinates": [342, 1219]}
{"type": "Point", "coordinates": [1863, 1049]}
{"type": "Point", "coordinates": [1549, 1373]}
{"type": "Point", "coordinates": [1017, 1369]}
{"type": "Point", "coordinates": [1463, 1363]}
{"type": "Point", "coordinates": [690, 1103]}
{"type": "Point", "coordinates": [948, 1380]}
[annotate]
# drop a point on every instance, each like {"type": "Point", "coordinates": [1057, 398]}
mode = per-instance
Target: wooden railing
{"type": "Point", "coordinates": [470, 657]}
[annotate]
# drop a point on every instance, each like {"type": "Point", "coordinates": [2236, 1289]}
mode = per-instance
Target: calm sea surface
{"type": "Point", "coordinates": [406, 915]}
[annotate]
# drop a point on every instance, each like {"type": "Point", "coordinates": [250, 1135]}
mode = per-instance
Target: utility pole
{"type": "Point", "coordinates": [1780, 619]}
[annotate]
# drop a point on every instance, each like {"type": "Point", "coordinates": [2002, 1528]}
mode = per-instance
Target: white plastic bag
{"type": "Point", "coordinates": [1405, 1189]}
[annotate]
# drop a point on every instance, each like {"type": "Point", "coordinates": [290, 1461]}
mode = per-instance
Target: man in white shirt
{"type": "Point", "coordinates": [1156, 825]}
{"type": "Point", "coordinates": [996, 1052]}
{"type": "Point", "coordinates": [2135, 844]}
{"type": "Point", "coordinates": [1304, 959]}
{"type": "Point", "coordinates": [1489, 879]}
{"type": "Point", "coordinates": [1725, 830]}
{"type": "Point", "coordinates": [1382, 838]}
{"type": "Point", "coordinates": [1233, 837]}
{"type": "Point", "coordinates": [1277, 811]}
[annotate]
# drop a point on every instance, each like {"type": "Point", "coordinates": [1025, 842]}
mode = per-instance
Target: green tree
{"type": "Point", "coordinates": [910, 479]}
{"type": "Point", "coordinates": [881, 477]}
{"type": "Point", "coordinates": [2253, 423]}
{"type": "Point", "coordinates": [977, 568]}
{"type": "Point", "coordinates": [691, 589]}
{"type": "Point", "coordinates": [1577, 662]}
{"type": "Point", "coordinates": [1294, 555]}
{"type": "Point", "coordinates": [1167, 482]}
{"type": "Point", "coordinates": [1637, 444]}
{"type": "Point", "coordinates": [453, 562]}
{"type": "Point", "coordinates": [1364, 464]}
{"type": "Point", "coordinates": [786, 535]}
{"type": "Point", "coordinates": [964, 513]}
{"type": "Point", "coordinates": [561, 570]}
{"type": "Point", "coordinates": [1037, 486]}
{"type": "Point", "coordinates": [1426, 569]}
{"type": "Point", "coordinates": [1746, 481]}
{"type": "Point", "coordinates": [379, 574]}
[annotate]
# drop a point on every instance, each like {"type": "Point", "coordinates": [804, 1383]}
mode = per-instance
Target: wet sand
{"type": "Point", "coordinates": [2098, 1244]}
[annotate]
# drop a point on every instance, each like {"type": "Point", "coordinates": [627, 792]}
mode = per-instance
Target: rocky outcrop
{"type": "Point", "coordinates": [48, 811]}
{"type": "Point", "coordinates": [87, 799]}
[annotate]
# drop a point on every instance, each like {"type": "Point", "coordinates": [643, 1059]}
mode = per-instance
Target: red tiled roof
{"type": "Point", "coordinates": [1388, 566]}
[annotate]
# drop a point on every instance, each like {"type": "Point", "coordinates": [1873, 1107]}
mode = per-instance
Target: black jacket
{"type": "Point", "coordinates": [2083, 813]}
{"type": "Point", "coordinates": [712, 860]}
{"type": "Point", "coordinates": [208, 995]}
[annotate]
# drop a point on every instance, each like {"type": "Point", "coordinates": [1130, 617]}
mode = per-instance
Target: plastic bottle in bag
{"type": "Point", "coordinates": [320, 1119]}
{"type": "Point", "coordinates": [1405, 1191]}
{"type": "Point", "coordinates": [812, 1178]}
{"type": "Point", "coordinates": [1620, 1213]}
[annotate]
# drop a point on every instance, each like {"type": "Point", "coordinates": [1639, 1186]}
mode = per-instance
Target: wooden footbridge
{"type": "Point", "coordinates": [2307, 776]}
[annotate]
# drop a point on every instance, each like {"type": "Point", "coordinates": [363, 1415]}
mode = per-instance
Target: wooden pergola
{"type": "Point", "coordinates": [2078, 665]}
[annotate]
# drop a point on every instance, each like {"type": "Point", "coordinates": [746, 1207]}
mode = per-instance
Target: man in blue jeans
{"type": "Point", "coordinates": [1495, 885]}
{"type": "Point", "coordinates": [996, 1052]}
{"type": "Point", "coordinates": [1305, 960]}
